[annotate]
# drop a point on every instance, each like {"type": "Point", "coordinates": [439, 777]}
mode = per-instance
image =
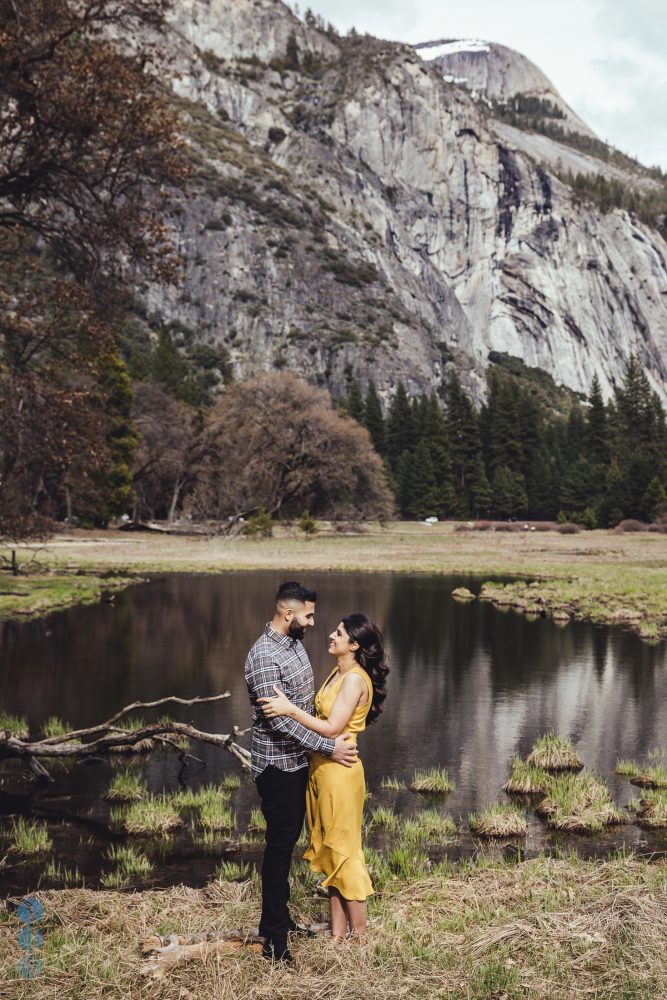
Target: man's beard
{"type": "Point", "coordinates": [296, 631]}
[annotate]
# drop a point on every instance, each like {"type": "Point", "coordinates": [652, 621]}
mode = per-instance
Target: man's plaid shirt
{"type": "Point", "coordinates": [284, 742]}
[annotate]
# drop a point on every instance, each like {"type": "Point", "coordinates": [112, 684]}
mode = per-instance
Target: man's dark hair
{"type": "Point", "coordinates": [293, 591]}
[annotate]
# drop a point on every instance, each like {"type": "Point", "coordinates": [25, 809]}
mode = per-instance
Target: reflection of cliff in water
{"type": "Point", "coordinates": [469, 685]}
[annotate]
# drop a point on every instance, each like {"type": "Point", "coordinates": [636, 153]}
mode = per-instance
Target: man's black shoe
{"type": "Point", "coordinates": [300, 930]}
{"type": "Point", "coordinates": [277, 953]}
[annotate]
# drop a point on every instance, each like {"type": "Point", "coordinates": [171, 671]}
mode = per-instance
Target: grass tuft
{"type": "Point", "coordinates": [60, 875]}
{"type": "Point", "coordinates": [29, 837]}
{"type": "Point", "coordinates": [651, 809]}
{"type": "Point", "coordinates": [152, 816]}
{"type": "Point", "coordinates": [499, 821]}
{"type": "Point", "coordinates": [126, 786]}
{"type": "Point", "coordinates": [385, 818]}
{"type": "Point", "coordinates": [578, 803]}
{"type": "Point", "coordinates": [428, 827]}
{"type": "Point", "coordinates": [233, 871]}
{"type": "Point", "coordinates": [643, 775]}
{"type": "Point", "coordinates": [257, 823]}
{"type": "Point", "coordinates": [434, 781]}
{"type": "Point", "coordinates": [16, 724]}
{"type": "Point", "coordinates": [526, 779]}
{"type": "Point", "coordinates": [552, 753]}
{"type": "Point", "coordinates": [392, 784]}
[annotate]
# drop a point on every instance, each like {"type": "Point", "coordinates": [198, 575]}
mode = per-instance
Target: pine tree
{"type": "Point", "coordinates": [597, 432]}
{"type": "Point", "coordinates": [354, 403]}
{"type": "Point", "coordinates": [654, 501]}
{"type": "Point", "coordinates": [479, 488]}
{"type": "Point", "coordinates": [580, 487]}
{"type": "Point", "coordinates": [399, 431]}
{"type": "Point", "coordinates": [373, 419]}
{"type": "Point", "coordinates": [503, 423]}
{"type": "Point", "coordinates": [508, 492]}
{"type": "Point", "coordinates": [464, 443]}
{"type": "Point", "coordinates": [542, 491]}
{"type": "Point", "coordinates": [422, 490]}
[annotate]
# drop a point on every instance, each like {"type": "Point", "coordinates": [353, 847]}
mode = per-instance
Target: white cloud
{"type": "Point", "coordinates": [608, 58]}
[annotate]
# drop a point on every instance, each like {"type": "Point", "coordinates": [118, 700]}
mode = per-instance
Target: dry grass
{"type": "Point", "coordinates": [542, 930]}
{"type": "Point", "coordinates": [596, 575]}
{"type": "Point", "coordinates": [526, 780]}
{"type": "Point", "coordinates": [552, 753]}
{"type": "Point", "coordinates": [499, 821]}
{"type": "Point", "coordinates": [433, 781]}
{"type": "Point", "coordinates": [578, 803]}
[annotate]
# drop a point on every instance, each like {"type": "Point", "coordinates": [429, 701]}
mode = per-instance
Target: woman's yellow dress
{"type": "Point", "coordinates": [335, 804]}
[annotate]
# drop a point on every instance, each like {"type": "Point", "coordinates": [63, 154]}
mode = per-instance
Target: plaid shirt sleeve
{"type": "Point", "coordinates": [261, 673]}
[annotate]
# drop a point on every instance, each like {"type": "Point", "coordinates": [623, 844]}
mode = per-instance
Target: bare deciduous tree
{"type": "Point", "coordinates": [276, 442]}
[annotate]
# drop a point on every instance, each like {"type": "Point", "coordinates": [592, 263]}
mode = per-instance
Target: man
{"type": "Point", "coordinates": [280, 750]}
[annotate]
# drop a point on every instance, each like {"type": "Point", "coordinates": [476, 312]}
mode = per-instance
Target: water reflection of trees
{"type": "Point", "coordinates": [469, 685]}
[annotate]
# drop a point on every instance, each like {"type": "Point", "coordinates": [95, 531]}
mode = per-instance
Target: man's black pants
{"type": "Point", "coordinates": [283, 797]}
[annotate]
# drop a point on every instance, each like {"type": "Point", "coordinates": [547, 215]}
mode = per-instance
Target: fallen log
{"type": "Point", "coordinates": [110, 737]}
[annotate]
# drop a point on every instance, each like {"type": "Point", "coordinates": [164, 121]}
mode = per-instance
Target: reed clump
{"type": "Point", "coordinates": [233, 871]}
{"type": "Point", "coordinates": [126, 786]}
{"type": "Point", "coordinates": [29, 837]}
{"type": "Point", "coordinates": [428, 827]}
{"type": "Point", "coordinates": [498, 821]}
{"type": "Point", "coordinates": [155, 815]}
{"type": "Point", "coordinates": [384, 818]}
{"type": "Point", "coordinates": [392, 784]}
{"type": "Point", "coordinates": [651, 809]}
{"type": "Point", "coordinates": [552, 753]}
{"type": "Point", "coordinates": [526, 779]}
{"type": "Point", "coordinates": [256, 822]}
{"type": "Point", "coordinates": [434, 781]}
{"type": "Point", "coordinates": [578, 803]}
{"type": "Point", "coordinates": [16, 724]}
{"type": "Point", "coordinates": [642, 775]}
{"type": "Point", "coordinates": [129, 864]}
{"type": "Point", "coordinates": [61, 875]}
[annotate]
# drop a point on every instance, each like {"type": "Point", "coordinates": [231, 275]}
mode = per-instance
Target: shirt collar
{"type": "Point", "coordinates": [286, 641]}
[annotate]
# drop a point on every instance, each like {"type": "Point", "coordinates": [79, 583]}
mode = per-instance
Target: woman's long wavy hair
{"type": "Point", "coordinates": [371, 656]}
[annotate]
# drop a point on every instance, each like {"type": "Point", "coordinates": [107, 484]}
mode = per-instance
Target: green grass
{"type": "Point", "coordinates": [205, 808]}
{"type": "Point", "coordinates": [406, 862]}
{"type": "Point", "coordinates": [257, 823]}
{"type": "Point", "coordinates": [55, 727]}
{"type": "Point", "coordinates": [126, 786]}
{"type": "Point", "coordinates": [29, 836]}
{"type": "Point", "coordinates": [525, 779]}
{"type": "Point", "coordinates": [651, 809]}
{"type": "Point", "coordinates": [392, 784]}
{"type": "Point", "coordinates": [231, 782]}
{"type": "Point", "coordinates": [60, 875]}
{"type": "Point", "coordinates": [385, 818]}
{"type": "Point", "coordinates": [498, 821]}
{"type": "Point", "coordinates": [428, 827]}
{"type": "Point", "coordinates": [233, 871]}
{"type": "Point", "coordinates": [553, 753]}
{"type": "Point", "coordinates": [152, 816]}
{"type": "Point", "coordinates": [33, 596]}
{"type": "Point", "coordinates": [649, 775]}
{"type": "Point", "coordinates": [16, 724]}
{"type": "Point", "coordinates": [129, 860]}
{"type": "Point", "coordinates": [434, 781]}
{"type": "Point", "coordinates": [578, 803]}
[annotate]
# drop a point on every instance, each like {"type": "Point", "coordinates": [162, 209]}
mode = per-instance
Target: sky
{"type": "Point", "coordinates": [607, 58]}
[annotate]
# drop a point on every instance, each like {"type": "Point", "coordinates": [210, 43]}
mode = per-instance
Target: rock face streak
{"type": "Point", "coordinates": [376, 222]}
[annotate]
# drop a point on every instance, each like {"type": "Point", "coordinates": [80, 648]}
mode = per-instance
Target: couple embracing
{"type": "Point", "coordinates": [307, 764]}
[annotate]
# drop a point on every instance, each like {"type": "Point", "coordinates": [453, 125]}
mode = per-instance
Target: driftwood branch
{"type": "Point", "coordinates": [166, 952]}
{"type": "Point", "coordinates": [108, 737]}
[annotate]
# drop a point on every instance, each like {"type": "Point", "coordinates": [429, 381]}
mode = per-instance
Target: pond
{"type": "Point", "coordinates": [470, 686]}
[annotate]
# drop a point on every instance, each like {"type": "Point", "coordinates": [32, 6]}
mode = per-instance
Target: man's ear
{"type": "Point", "coordinates": [289, 614]}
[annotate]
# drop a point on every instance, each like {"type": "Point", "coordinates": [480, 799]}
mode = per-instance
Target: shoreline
{"type": "Point", "coordinates": [597, 576]}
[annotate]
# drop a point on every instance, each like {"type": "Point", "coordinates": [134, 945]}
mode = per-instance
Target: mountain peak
{"type": "Point", "coordinates": [498, 74]}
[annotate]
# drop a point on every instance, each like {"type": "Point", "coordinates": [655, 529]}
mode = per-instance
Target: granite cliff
{"type": "Point", "coordinates": [357, 209]}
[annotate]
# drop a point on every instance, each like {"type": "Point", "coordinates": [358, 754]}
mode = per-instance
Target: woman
{"type": "Point", "coordinates": [350, 698]}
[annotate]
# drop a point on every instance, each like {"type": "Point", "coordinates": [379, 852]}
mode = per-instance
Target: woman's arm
{"type": "Point", "coordinates": [350, 694]}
